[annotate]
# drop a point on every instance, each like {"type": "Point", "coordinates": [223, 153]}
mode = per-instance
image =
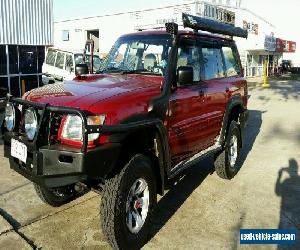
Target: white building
{"type": "Point", "coordinates": [104, 30]}
{"type": "Point", "coordinates": [26, 27]}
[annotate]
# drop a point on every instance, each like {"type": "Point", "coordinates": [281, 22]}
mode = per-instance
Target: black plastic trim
{"type": "Point", "coordinates": [205, 24]}
{"type": "Point", "coordinates": [46, 167]}
{"type": "Point", "coordinates": [235, 100]}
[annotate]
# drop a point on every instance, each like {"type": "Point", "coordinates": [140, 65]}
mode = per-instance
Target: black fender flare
{"type": "Point", "coordinates": [234, 101]}
{"type": "Point", "coordinates": [121, 131]}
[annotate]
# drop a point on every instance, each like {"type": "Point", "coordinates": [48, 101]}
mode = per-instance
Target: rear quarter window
{"type": "Point", "coordinates": [231, 63]}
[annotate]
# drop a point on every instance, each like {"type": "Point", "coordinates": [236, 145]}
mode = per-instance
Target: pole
{"type": "Point", "coordinates": [23, 88]}
{"type": "Point", "coordinates": [265, 81]}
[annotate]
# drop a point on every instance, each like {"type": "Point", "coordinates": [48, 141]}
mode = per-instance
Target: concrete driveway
{"type": "Point", "coordinates": [201, 211]}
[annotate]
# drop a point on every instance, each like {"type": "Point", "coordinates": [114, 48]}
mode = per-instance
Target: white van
{"type": "Point", "coordinates": [60, 64]}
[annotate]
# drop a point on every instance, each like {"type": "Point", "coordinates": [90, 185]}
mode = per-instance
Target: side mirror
{"type": "Point", "coordinates": [81, 69]}
{"type": "Point", "coordinates": [185, 75]}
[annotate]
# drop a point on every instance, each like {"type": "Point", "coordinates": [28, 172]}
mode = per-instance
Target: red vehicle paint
{"type": "Point", "coordinates": [161, 103]}
{"type": "Point", "coordinates": [195, 112]}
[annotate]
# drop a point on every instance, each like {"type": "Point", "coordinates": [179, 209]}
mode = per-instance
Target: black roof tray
{"type": "Point", "coordinates": [204, 24]}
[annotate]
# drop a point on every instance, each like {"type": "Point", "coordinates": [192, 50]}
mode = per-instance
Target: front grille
{"type": "Point", "coordinates": [54, 125]}
{"type": "Point", "coordinates": [21, 124]}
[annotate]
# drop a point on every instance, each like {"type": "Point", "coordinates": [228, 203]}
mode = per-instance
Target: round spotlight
{"type": "Point", "coordinates": [30, 123]}
{"type": "Point", "coordinates": [10, 117]}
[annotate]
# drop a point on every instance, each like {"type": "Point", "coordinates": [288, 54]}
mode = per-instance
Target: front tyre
{"type": "Point", "coordinates": [127, 204]}
{"type": "Point", "coordinates": [55, 197]}
{"type": "Point", "coordinates": [226, 161]}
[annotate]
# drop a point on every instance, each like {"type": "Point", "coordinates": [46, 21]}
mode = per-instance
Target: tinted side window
{"type": "Point", "coordinates": [231, 63]}
{"type": "Point", "coordinates": [51, 57]}
{"type": "Point", "coordinates": [60, 59]}
{"type": "Point", "coordinates": [212, 60]}
{"type": "Point", "coordinates": [190, 56]}
{"type": "Point", "coordinates": [69, 62]}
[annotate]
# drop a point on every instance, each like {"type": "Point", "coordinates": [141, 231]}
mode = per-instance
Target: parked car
{"type": "Point", "coordinates": [286, 65]}
{"type": "Point", "coordinates": [164, 100]}
{"type": "Point", "coordinates": [60, 64]}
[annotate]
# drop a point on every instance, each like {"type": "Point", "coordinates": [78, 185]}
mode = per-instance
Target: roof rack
{"type": "Point", "coordinates": [199, 23]}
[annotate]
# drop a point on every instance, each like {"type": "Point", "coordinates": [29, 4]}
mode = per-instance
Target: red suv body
{"type": "Point", "coordinates": [160, 103]}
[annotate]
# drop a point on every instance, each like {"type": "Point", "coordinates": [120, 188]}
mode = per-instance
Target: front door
{"type": "Point", "coordinates": [187, 119]}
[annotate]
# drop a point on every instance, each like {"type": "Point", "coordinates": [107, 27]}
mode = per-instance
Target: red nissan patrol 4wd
{"type": "Point", "coordinates": [162, 100]}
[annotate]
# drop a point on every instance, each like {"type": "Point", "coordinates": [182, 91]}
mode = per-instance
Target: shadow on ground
{"type": "Point", "coordinates": [192, 178]}
{"type": "Point", "coordinates": [284, 89]}
{"type": "Point", "coordinates": [282, 133]}
{"type": "Point", "coordinates": [251, 132]}
{"type": "Point", "coordinates": [1, 121]}
{"type": "Point", "coordinates": [289, 191]}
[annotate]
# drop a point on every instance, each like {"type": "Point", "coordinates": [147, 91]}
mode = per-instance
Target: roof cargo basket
{"type": "Point", "coordinates": [204, 24]}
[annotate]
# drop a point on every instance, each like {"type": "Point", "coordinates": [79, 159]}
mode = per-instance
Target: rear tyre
{"type": "Point", "coordinates": [226, 161]}
{"type": "Point", "coordinates": [55, 197]}
{"type": "Point", "coordinates": [127, 204]}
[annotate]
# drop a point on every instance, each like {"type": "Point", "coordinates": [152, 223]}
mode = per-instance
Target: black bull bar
{"type": "Point", "coordinates": [86, 129]}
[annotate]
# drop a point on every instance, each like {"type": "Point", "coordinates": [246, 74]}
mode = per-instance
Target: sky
{"type": "Point", "coordinates": [283, 14]}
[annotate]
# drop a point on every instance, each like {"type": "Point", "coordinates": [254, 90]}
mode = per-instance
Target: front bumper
{"type": "Point", "coordinates": [59, 165]}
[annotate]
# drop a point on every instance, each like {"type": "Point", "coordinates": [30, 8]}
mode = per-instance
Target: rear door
{"type": "Point", "coordinates": [236, 84]}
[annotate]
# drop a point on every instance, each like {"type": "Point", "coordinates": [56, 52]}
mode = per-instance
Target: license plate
{"type": "Point", "coordinates": [18, 150]}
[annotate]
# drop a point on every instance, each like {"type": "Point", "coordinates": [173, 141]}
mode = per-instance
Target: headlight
{"type": "Point", "coordinates": [72, 129]}
{"type": "Point", "coordinates": [10, 117]}
{"type": "Point", "coordinates": [31, 123]}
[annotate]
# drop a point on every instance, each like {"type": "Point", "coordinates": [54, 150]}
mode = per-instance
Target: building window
{"type": "Point", "coordinates": [28, 59]}
{"type": "Point", "coordinates": [29, 82]}
{"type": "Point", "coordinates": [65, 35]}
{"type": "Point", "coordinates": [3, 60]}
{"type": "Point", "coordinates": [13, 59]}
{"type": "Point", "coordinates": [3, 86]}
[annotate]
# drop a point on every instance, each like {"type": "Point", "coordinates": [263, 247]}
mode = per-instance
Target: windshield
{"type": "Point", "coordinates": [97, 60]}
{"type": "Point", "coordinates": [139, 54]}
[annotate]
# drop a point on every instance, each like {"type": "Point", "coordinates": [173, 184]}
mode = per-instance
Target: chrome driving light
{"type": "Point", "coordinates": [10, 117]}
{"type": "Point", "coordinates": [31, 123]}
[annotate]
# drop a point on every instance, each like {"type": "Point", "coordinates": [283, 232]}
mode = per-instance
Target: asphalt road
{"type": "Point", "coordinates": [201, 211]}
